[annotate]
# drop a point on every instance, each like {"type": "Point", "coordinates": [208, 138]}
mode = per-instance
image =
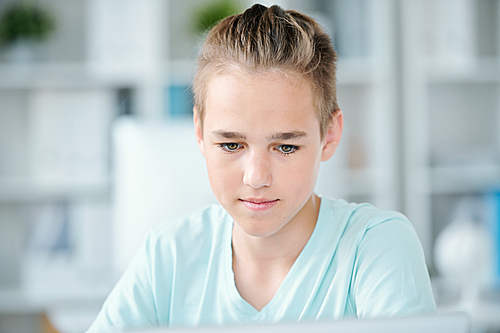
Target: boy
{"type": "Point", "coordinates": [265, 117]}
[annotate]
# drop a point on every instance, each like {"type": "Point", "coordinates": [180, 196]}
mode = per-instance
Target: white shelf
{"type": "Point", "coordinates": [60, 75]}
{"type": "Point", "coordinates": [80, 75]}
{"type": "Point", "coordinates": [16, 301]}
{"type": "Point", "coordinates": [20, 189]}
{"type": "Point", "coordinates": [19, 301]}
{"type": "Point", "coordinates": [459, 179]}
{"type": "Point", "coordinates": [481, 70]}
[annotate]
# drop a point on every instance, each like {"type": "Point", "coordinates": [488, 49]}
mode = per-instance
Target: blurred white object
{"type": "Point", "coordinates": [69, 135]}
{"type": "Point", "coordinates": [463, 253]}
{"type": "Point", "coordinates": [160, 174]}
{"type": "Point", "coordinates": [124, 36]}
{"type": "Point", "coordinates": [22, 51]}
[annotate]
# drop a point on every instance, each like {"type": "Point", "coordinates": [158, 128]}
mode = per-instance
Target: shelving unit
{"type": "Point", "coordinates": [451, 116]}
{"type": "Point", "coordinates": [60, 75]}
{"type": "Point", "coordinates": [56, 113]}
{"type": "Point", "coordinates": [23, 190]}
{"type": "Point", "coordinates": [451, 109]}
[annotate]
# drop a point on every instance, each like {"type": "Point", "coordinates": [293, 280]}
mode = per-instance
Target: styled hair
{"type": "Point", "coordinates": [263, 39]}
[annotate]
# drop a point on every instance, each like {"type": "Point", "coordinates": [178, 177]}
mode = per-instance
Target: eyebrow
{"type": "Point", "coordinates": [283, 136]}
{"type": "Point", "coordinates": [280, 136]}
{"type": "Point", "coordinates": [228, 135]}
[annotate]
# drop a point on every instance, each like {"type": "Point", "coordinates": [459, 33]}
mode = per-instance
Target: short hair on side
{"type": "Point", "coordinates": [263, 39]}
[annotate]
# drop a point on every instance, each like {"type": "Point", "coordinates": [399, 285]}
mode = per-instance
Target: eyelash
{"type": "Point", "coordinates": [224, 147]}
{"type": "Point", "coordinates": [293, 149]}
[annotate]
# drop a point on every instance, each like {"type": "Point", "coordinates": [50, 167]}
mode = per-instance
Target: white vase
{"type": "Point", "coordinates": [21, 51]}
{"type": "Point", "coordinates": [462, 255]}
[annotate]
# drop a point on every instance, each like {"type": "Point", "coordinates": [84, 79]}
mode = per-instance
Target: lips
{"type": "Point", "coordinates": [258, 205]}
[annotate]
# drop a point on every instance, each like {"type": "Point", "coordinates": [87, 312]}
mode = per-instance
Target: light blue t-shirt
{"type": "Point", "coordinates": [359, 262]}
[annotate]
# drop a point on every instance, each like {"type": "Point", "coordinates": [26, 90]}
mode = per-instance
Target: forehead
{"type": "Point", "coordinates": [260, 101]}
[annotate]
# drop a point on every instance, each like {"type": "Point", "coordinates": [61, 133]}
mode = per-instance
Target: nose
{"type": "Point", "coordinates": [257, 171]}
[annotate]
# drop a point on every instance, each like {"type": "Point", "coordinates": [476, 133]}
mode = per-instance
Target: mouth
{"type": "Point", "coordinates": [258, 205]}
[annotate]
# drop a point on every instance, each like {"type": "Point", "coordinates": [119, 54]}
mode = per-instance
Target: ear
{"type": "Point", "coordinates": [333, 135]}
{"type": "Point", "coordinates": [198, 131]}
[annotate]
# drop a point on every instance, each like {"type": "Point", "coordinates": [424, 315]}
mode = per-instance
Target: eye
{"type": "Point", "coordinates": [230, 147]}
{"type": "Point", "coordinates": [287, 149]}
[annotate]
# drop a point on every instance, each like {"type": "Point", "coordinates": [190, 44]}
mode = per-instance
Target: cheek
{"type": "Point", "coordinates": [222, 175]}
{"type": "Point", "coordinates": [300, 177]}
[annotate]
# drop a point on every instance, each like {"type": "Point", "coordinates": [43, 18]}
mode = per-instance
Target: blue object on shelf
{"type": "Point", "coordinates": [493, 221]}
{"type": "Point", "coordinates": [179, 101]}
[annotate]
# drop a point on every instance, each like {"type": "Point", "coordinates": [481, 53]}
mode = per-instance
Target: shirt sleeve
{"type": "Point", "coordinates": [390, 275]}
{"type": "Point", "coordinates": [131, 302]}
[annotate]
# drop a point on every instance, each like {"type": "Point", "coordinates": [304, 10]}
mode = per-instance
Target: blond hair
{"type": "Point", "coordinates": [267, 39]}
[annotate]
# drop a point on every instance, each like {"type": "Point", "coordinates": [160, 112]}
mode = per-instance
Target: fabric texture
{"type": "Point", "coordinates": [359, 262]}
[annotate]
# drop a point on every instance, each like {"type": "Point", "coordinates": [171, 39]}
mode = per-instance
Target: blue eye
{"type": "Point", "coordinates": [230, 147]}
{"type": "Point", "coordinates": [287, 149]}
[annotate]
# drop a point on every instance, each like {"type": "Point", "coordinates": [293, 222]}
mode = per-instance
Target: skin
{"type": "Point", "coordinates": [261, 141]}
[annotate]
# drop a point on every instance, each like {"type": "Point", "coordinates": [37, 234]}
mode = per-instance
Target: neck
{"type": "Point", "coordinates": [260, 264]}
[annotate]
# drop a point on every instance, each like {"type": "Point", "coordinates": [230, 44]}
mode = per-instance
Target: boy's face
{"type": "Point", "coordinates": [261, 141]}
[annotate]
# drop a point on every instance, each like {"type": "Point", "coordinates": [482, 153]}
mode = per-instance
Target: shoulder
{"type": "Point", "coordinates": [388, 274]}
{"type": "Point", "coordinates": [361, 222]}
{"type": "Point", "coordinates": [196, 222]}
{"type": "Point", "coordinates": [375, 233]}
{"type": "Point", "coordinates": [197, 230]}
{"type": "Point", "coordinates": [363, 215]}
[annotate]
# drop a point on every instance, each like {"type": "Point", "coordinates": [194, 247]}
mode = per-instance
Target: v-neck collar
{"type": "Point", "coordinates": [297, 272]}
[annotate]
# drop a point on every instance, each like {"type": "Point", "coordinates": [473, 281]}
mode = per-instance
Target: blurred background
{"type": "Point", "coordinates": [97, 145]}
